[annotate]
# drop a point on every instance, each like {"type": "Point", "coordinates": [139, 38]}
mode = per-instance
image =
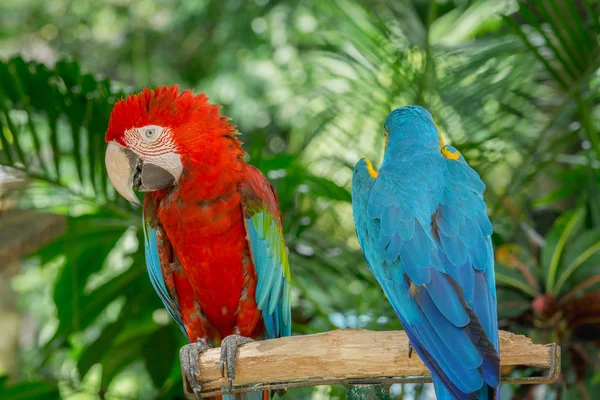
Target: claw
{"type": "Point", "coordinates": [229, 347]}
{"type": "Point", "coordinates": [188, 356]}
{"type": "Point", "coordinates": [410, 350]}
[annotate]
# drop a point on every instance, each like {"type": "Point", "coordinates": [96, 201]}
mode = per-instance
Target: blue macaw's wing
{"type": "Point", "coordinates": [427, 239]}
{"type": "Point", "coordinates": [155, 244]}
{"type": "Point", "coordinates": [269, 254]}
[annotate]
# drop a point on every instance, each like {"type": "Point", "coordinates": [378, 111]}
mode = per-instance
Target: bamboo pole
{"type": "Point", "coordinates": [345, 355]}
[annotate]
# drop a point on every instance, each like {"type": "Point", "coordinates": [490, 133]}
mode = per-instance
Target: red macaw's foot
{"type": "Point", "coordinates": [189, 355]}
{"type": "Point", "coordinates": [410, 349]}
{"type": "Point", "coordinates": [229, 347]}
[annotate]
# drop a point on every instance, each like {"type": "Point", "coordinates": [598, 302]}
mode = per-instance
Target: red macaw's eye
{"type": "Point", "coordinates": [150, 133]}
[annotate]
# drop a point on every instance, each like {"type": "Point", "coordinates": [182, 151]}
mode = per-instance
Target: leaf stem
{"type": "Point", "coordinates": [560, 245]}
{"type": "Point", "coordinates": [587, 123]}
{"type": "Point", "coordinates": [512, 282]}
{"type": "Point", "coordinates": [579, 289]}
{"type": "Point", "coordinates": [583, 257]}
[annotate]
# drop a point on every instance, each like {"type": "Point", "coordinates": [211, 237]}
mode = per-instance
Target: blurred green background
{"type": "Point", "coordinates": [512, 84]}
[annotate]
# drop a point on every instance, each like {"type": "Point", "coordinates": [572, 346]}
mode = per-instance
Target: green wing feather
{"type": "Point", "coordinates": [269, 254]}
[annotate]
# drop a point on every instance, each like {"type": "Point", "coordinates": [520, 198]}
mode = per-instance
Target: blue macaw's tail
{"type": "Point", "coordinates": [449, 387]}
{"type": "Point", "coordinates": [442, 350]}
{"type": "Point", "coordinates": [485, 393]}
{"type": "Point", "coordinates": [441, 393]}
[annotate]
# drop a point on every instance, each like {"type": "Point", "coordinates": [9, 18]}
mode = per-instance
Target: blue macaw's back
{"type": "Point", "coordinates": [423, 229]}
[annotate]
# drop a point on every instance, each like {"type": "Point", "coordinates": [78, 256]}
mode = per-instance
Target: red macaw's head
{"type": "Point", "coordinates": [150, 133]}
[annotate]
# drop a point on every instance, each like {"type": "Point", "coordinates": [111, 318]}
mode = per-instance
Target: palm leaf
{"type": "Point", "coordinates": [53, 123]}
{"type": "Point", "coordinates": [567, 226]}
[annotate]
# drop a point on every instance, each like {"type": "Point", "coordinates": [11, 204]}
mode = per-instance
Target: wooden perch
{"type": "Point", "coordinates": [344, 355]}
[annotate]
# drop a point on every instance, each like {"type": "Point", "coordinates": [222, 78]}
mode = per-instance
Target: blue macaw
{"type": "Point", "coordinates": [423, 229]}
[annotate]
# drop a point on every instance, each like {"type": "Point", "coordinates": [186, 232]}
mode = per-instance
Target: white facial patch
{"type": "Point", "coordinates": [149, 140]}
{"type": "Point", "coordinates": [154, 144]}
{"type": "Point", "coordinates": [168, 161]}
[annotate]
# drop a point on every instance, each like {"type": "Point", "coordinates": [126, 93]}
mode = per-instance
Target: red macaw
{"type": "Point", "coordinates": [214, 246]}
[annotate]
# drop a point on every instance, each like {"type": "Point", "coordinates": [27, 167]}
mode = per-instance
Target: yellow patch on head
{"type": "Point", "coordinates": [371, 170]}
{"type": "Point", "coordinates": [442, 143]}
{"type": "Point", "coordinates": [452, 155]}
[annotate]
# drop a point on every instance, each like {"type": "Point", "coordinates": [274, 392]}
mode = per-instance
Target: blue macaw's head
{"type": "Point", "coordinates": [411, 128]}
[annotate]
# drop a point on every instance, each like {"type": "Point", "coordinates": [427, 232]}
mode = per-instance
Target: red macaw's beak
{"type": "Point", "coordinates": [128, 171]}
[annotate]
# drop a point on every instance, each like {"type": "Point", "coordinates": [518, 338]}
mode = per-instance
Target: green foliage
{"type": "Point", "coordinates": [511, 84]}
{"type": "Point", "coordinates": [160, 352]}
{"type": "Point", "coordinates": [29, 390]}
{"type": "Point", "coordinates": [555, 298]}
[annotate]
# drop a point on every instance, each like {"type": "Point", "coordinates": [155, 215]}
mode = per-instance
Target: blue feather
{"type": "Point", "coordinates": [459, 342]}
{"type": "Point", "coordinates": [441, 393]}
{"type": "Point", "coordinates": [275, 289]}
{"type": "Point", "coordinates": [445, 222]}
{"type": "Point", "coordinates": [484, 223]}
{"type": "Point", "coordinates": [394, 247]}
{"type": "Point", "coordinates": [418, 274]}
{"type": "Point", "coordinates": [397, 291]}
{"type": "Point", "coordinates": [383, 242]}
{"type": "Point", "coordinates": [443, 295]}
{"type": "Point", "coordinates": [429, 209]}
{"type": "Point", "coordinates": [453, 219]}
{"type": "Point", "coordinates": [406, 230]}
{"type": "Point", "coordinates": [437, 259]}
{"type": "Point", "coordinates": [469, 233]}
{"type": "Point", "coordinates": [454, 249]}
{"type": "Point", "coordinates": [156, 275]}
{"type": "Point", "coordinates": [389, 220]}
{"type": "Point", "coordinates": [481, 298]}
{"type": "Point", "coordinates": [466, 279]}
{"type": "Point", "coordinates": [416, 257]}
{"type": "Point", "coordinates": [258, 225]}
{"type": "Point", "coordinates": [435, 368]}
{"type": "Point", "coordinates": [444, 351]}
{"type": "Point", "coordinates": [483, 255]}
{"type": "Point", "coordinates": [269, 256]}
{"type": "Point", "coordinates": [286, 312]}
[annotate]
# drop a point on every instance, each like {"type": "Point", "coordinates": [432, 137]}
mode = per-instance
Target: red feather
{"type": "Point", "coordinates": [191, 118]}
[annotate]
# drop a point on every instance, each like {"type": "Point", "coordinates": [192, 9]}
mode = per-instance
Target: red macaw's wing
{"type": "Point", "coordinates": [168, 279]}
{"type": "Point", "coordinates": [157, 251]}
{"type": "Point", "coordinates": [269, 253]}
